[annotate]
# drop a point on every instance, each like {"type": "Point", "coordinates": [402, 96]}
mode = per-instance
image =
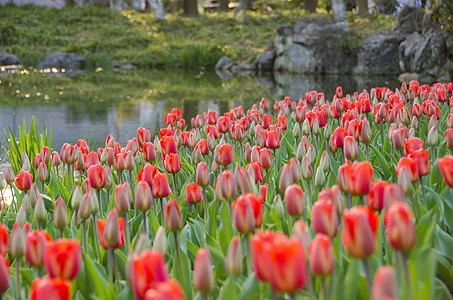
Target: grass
{"type": "Point", "coordinates": [106, 37]}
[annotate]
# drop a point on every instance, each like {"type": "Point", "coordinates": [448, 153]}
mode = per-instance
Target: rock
{"type": "Point", "coordinates": [429, 22]}
{"type": "Point", "coordinates": [410, 19]}
{"type": "Point", "coordinates": [407, 77]}
{"type": "Point", "coordinates": [123, 67]}
{"type": "Point", "coordinates": [449, 45]}
{"type": "Point", "coordinates": [62, 60]}
{"type": "Point", "coordinates": [316, 47]}
{"type": "Point", "coordinates": [222, 62]}
{"type": "Point", "coordinates": [379, 54]}
{"type": "Point", "coordinates": [426, 52]}
{"type": "Point", "coordinates": [7, 59]}
{"type": "Point", "coordinates": [49, 3]}
{"type": "Point", "coordinates": [282, 38]}
{"type": "Point", "coordinates": [264, 61]}
{"type": "Point", "coordinates": [425, 78]}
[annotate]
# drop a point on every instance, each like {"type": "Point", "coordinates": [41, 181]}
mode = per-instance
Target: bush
{"type": "Point", "coordinates": [443, 13]}
{"type": "Point", "coordinates": [387, 7]}
{"type": "Point", "coordinates": [8, 33]}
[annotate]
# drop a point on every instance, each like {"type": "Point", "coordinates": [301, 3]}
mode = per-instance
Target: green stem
{"type": "Point", "coordinates": [324, 289]}
{"type": "Point", "coordinates": [96, 236]}
{"type": "Point", "coordinates": [84, 222]}
{"type": "Point", "coordinates": [126, 230]}
{"type": "Point", "coordinates": [17, 278]}
{"type": "Point", "coordinates": [407, 275]}
{"type": "Point", "coordinates": [110, 264]}
{"type": "Point", "coordinates": [249, 253]}
{"type": "Point", "coordinates": [162, 211]}
{"type": "Point", "coordinates": [367, 273]}
{"type": "Point", "coordinates": [99, 202]}
{"type": "Point", "coordinates": [423, 193]}
{"type": "Point", "coordinates": [145, 229]}
{"type": "Point", "coordinates": [205, 203]}
{"type": "Point", "coordinates": [175, 236]}
{"type": "Point", "coordinates": [176, 187]}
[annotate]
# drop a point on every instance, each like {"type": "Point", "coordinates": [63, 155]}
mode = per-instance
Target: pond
{"type": "Point", "coordinates": [97, 104]}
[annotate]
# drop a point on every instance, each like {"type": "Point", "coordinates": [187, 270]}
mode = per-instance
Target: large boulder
{"type": "Point", "coordinates": [379, 54]}
{"type": "Point", "coordinates": [410, 19]}
{"type": "Point", "coordinates": [264, 61]}
{"type": "Point", "coordinates": [62, 60]}
{"type": "Point", "coordinates": [283, 35]}
{"type": "Point", "coordinates": [7, 59]}
{"type": "Point", "coordinates": [315, 45]}
{"type": "Point", "coordinates": [423, 53]}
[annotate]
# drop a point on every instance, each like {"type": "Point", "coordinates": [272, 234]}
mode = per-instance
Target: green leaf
{"type": "Point", "coordinates": [228, 290]}
{"type": "Point", "coordinates": [250, 288]}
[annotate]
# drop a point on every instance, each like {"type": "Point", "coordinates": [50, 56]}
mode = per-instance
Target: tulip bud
{"type": "Point", "coordinates": [306, 127]}
{"type": "Point", "coordinates": [432, 122]}
{"type": "Point", "coordinates": [76, 197]}
{"type": "Point", "coordinates": [311, 154]}
{"type": "Point", "coordinates": [197, 156]}
{"type": "Point", "coordinates": [294, 200]}
{"type": "Point", "coordinates": [307, 171]}
{"type": "Point", "coordinates": [433, 136]}
{"type": "Point", "coordinates": [351, 150]}
{"type": "Point", "coordinates": [400, 227]}
{"type": "Point", "coordinates": [324, 218]}
{"type": "Point", "coordinates": [4, 275]}
{"type": "Point", "coordinates": [359, 231]}
{"type": "Point", "coordinates": [215, 167]}
{"type": "Point", "coordinates": [85, 207]}
{"type": "Point", "coordinates": [122, 201]}
{"type": "Point", "coordinates": [43, 173]}
{"type": "Point", "coordinates": [300, 232]}
{"type": "Point", "coordinates": [286, 178]}
{"type": "Point", "coordinates": [173, 218]}
{"type": "Point", "coordinates": [203, 275]}
{"type": "Point", "coordinates": [280, 208]}
{"type": "Point", "coordinates": [320, 178]}
{"type": "Point", "coordinates": [321, 257]}
{"type": "Point", "coordinates": [17, 242]}
{"type": "Point", "coordinates": [40, 210]}
{"type": "Point", "coordinates": [24, 157]}
{"type": "Point", "coordinates": [111, 229]}
{"type": "Point", "coordinates": [203, 174]}
{"type": "Point", "coordinates": [9, 175]}
{"type": "Point", "coordinates": [265, 158]}
{"type": "Point", "coordinates": [397, 140]}
{"type": "Point", "coordinates": [160, 241]}
{"type": "Point", "coordinates": [244, 219]}
{"type": "Point", "coordinates": [296, 131]}
{"type": "Point", "coordinates": [315, 128]}
{"type": "Point", "coordinates": [384, 284]}
{"type": "Point", "coordinates": [33, 194]}
{"type": "Point", "coordinates": [2, 181]}
{"type": "Point", "coordinates": [142, 196]}
{"type": "Point", "coordinates": [60, 214]}
{"type": "Point", "coordinates": [233, 260]}
{"type": "Point", "coordinates": [21, 216]}
{"type": "Point", "coordinates": [94, 202]}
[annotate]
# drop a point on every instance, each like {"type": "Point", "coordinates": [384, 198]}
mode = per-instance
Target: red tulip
{"type": "Point", "coordinates": [411, 165]}
{"type": "Point", "coordinates": [211, 118]}
{"type": "Point", "coordinates": [24, 180]}
{"type": "Point", "coordinates": [321, 257]}
{"type": "Point", "coordinates": [248, 213]}
{"type": "Point", "coordinates": [223, 124]}
{"type": "Point", "coordinates": [120, 162]}
{"type": "Point", "coordinates": [193, 193]}
{"type": "Point", "coordinates": [91, 159]}
{"type": "Point", "coordinates": [263, 192]}
{"type": "Point", "coordinates": [294, 200]}
{"type": "Point", "coordinates": [265, 158]}
{"type": "Point", "coordinates": [258, 173]}
{"type": "Point", "coordinates": [170, 119]}
{"type": "Point", "coordinates": [143, 196]}
{"type": "Point", "coordinates": [338, 137]}
{"type": "Point", "coordinates": [143, 135]}
{"type": "Point", "coordinates": [350, 148]}
{"type": "Point", "coordinates": [422, 158]}
{"type": "Point", "coordinates": [203, 174]}
{"type": "Point", "coordinates": [286, 178]}
{"type": "Point", "coordinates": [384, 284]}
{"type": "Point", "coordinates": [168, 145]}
{"type": "Point", "coordinates": [225, 154]}
{"type": "Point", "coordinates": [203, 146]}
{"type": "Point", "coordinates": [50, 289]}
{"type": "Point", "coordinates": [109, 234]}
{"type": "Point", "coordinates": [359, 231]}
{"type": "Point", "coordinates": [173, 218]}
{"type": "Point", "coordinates": [267, 121]}
{"type": "Point", "coordinates": [147, 270]}
{"type": "Point", "coordinates": [62, 258]}
{"type": "Point", "coordinates": [203, 273]}
{"type": "Point", "coordinates": [161, 188]}
{"type": "Point", "coordinates": [35, 244]}
{"type": "Point", "coordinates": [96, 176]}
{"type": "Point", "coordinates": [44, 154]}
{"type": "Point", "coordinates": [272, 141]}
{"type": "Point", "coordinates": [166, 290]}
{"type": "Point", "coordinates": [147, 174]}
{"type": "Point", "coordinates": [360, 178]}
{"type": "Point", "coordinates": [3, 240]}
{"type": "Point", "coordinates": [446, 168]}
{"type": "Point", "coordinates": [149, 152]}
{"type": "Point", "coordinates": [412, 144]}
{"type": "Point", "coordinates": [375, 199]}
{"type": "Point", "coordinates": [227, 185]}
{"type": "Point", "coordinates": [213, 130]}
{"type": "Point", "coordinates": [172, 163]}
{"type": "Point", "coordinates": [324, 218]}
{"type": "Point", "coordinates": [400, 227]}
{"type": "Point", "coordinates": [4, 275]}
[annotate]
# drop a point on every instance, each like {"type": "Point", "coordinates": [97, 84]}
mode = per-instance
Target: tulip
{"type": "Point", "coordinates": [375, 199]}
{"type": "Point", "coordinates": [43, 173]}
{"type": "Point", "coordinates": [40, 211]}
{"type": "Point", "coordinates": [233, 260]}
{"type": "Point", "coordinates": [96, 176]}
{"type": "Point", "coordinates": [446, 168]}
{"type": "Point", "coordinates": [324, 218]}
{"type": "Point", "coordinates": [286, 178]}
{"type": "Point", "coordinates": [3, 240]}
{"type": "Point", "coordinates": [321, 257]}
{"type": "Point", "coordinates": [422, 158]}
{"type": "Point", "coordinates": [300, 232]}
{"type": "Point", "coordinates": [149, 152]}
{"type": "Point", "coordinates": [147, 270]}
{"type": "Point", "coordinates": [294, 200]}
{"type": "Point", "coordinates": [227, 185]}
{"type": "Point", "coordinates": [400, 227]}
{"type": "Point", "coordinates": [143, 197]}
{"type": "Point", "coordinates": [259, 247]}
{"type": "Point", "coordinates": [62, 258]}
{"type": "Point", "coordinates": [172, 163]}
{"type": "Point", "coordinates": [225, 155]}
{"type": "Point", "coordinates": [360, 178]}
{"type": "Point", "coordinates": [165, 291]}
{"type": "Point", "coordinates": [143, 135]}
{"type": "Point", "coordinates": [60, 215]}
{"type": "Point", "coordinates": [244, 219]}
{"type": "Point", "coordinates": [273, 141]}
{"type": "Point", "coordinates": [203, 174]}
{"type": "Point", "coordinates": [359, 231]}
{"type": "Point", "coordinates": [35, 244]}
{"type": "Point", "coordinates": [411, 165]}
{"type": "Point", "coordinates": [21, 216]}
{"type": "Point", "coordinates": [50, 289]}
{"type": "Point", "coordinates": [122, 198]}
{"type": "Point", "coordinates": [4, 275]}
{"type": "Point", "coordinates": [168, 145]}
{"type": "Point", "coordinates": [203, 274]}
{"type": "Point", "coordinates": [384, 284]}
{"type": "Point", "coordinates": [412, 144]}
{"type": "Point", "coordinates": [161, 188]}
{"type": "Point", "coordinates": [160, 241]}
{"type": "Point", "coordinates": [173, 218]}
{"type": "Point", "coordinates": [24, 180]}
{"type": "Point", "coordinates": [147, 174]}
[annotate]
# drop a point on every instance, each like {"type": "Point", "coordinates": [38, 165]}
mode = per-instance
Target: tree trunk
{"type": "Point", "coordinates": [158, 9]}
{"type": "Point", "coordinates": [310, 5]}
{"type": "Point", "coordinates": [363, 7]}
{"type": "Point", "coordinates": [339, 14]}
{"type": "Point", "coordinates": [223, 5]}
{"type": "Point", "coordinates": [190, 8]}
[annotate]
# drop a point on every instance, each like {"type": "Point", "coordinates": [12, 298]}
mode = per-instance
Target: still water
{"type": "Point", "coordinates": [97, 104]}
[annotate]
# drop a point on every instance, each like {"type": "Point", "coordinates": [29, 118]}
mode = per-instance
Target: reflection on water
{"type": "Point", "coordinates": [96, 105]}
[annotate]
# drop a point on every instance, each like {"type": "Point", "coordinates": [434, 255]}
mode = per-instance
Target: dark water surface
{"type": "Point", "coordinates": [94, 105]}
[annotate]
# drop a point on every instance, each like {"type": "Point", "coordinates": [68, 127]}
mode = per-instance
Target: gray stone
{"type": "Point", "coordinates": [7, 59]}
{"type": "Point", "coordinates": [222, 62]}
{"type": "Point", "coordinates": [283, 35]}
{"type": "Point", "coordinates": [449, 45]}
{"type": "Point", "coordinates": [407, 77]}
{"type": "Point", "coordinates": [70, 62]}
{"type": "Point", "coordinates": [296, 59]}
{"type": "Point", "coordinates": [410, 19]}
{"type": "Point", "coordinates": [379, 54]}
{"type": "Point", "coordinates": [305, 21]}
{"type": "Point", "coordinates": [264, 61]}
{"type": "Point", "coordinates": [124, 67]}
{"type": "Point", "coordinates": [425, 78]}
{"type": "Point", "coordinates": [423, 53]}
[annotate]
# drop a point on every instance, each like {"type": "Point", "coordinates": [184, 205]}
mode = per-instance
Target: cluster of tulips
{"type": "Point", "coordinates": [126, 222]}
